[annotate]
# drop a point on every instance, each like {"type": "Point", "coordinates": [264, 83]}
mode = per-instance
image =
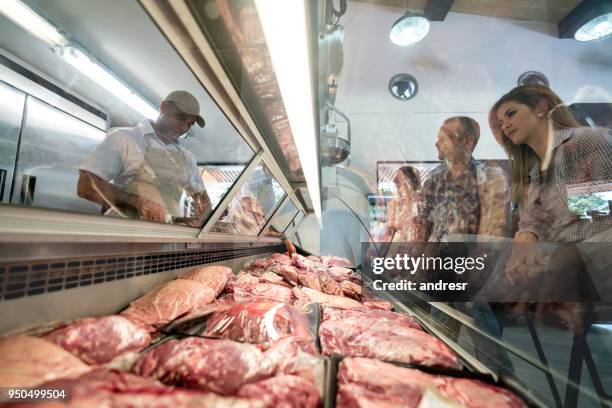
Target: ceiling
{"type": "Point", "coordinates": [550, 11]}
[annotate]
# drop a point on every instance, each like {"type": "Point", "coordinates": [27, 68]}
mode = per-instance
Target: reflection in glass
{"type": "Point", "coordinates": [253, 205]}
{"type": "Point", "coordinates": [281, 220]}
{"type": "Point", "coordinates": [58, 137]}
{"type": "Point", "coordinates": [53, 144]}
{"type": "Point", "coordinates": [11, 111]}
{"type": "Point", "coordinates": [218, 179]}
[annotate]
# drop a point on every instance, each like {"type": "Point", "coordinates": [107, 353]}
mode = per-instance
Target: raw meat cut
{"type": "Point", "coordinates": [301, 262]}
{"type": "Point", "coordinates": [377, 304]}
{"type": "Point", "coordinates": [305, 295]}
{"type": "Point", "coordinates": [167, 302]}
{"type": "Point", "coordinates": [271, 277]}
{"type": "Point", "coordinates": [336, 261]}
{"type": "Point", "coordinates": [245, 291]}
{"type": "Point", "coordinates": [330, 313]}
{"type": "Point", "coordinates": [281, 259]}
{"type": "Point", "coordinates": [365, 382]}
{"type": "Point", "coordinates": [99, 340]}
{"type": "Point", "coordinates": [283, 391]}
{"type": "Point", "coordinates": [287, 356]}
{"type": "Point", "coordinates": [220, 366]}
{"type": "Point", "coordinates": [386, 340]}
{"type": "Point", "coordinates": [350, 289]}
{"type": "Point", "coordinates": [341, 274]}
{"type": "Point", "coordinates": [290, 273]}
{"type": "Point", "coordinates": [28, 361]}
{"type": "Point", "coordinates": [104, 388]}
{"type": "Point", "coordinates": [215, 276]}
{"type": "Point", "coordinates": [327, 283]}
{"type": "Point", "coordinates": [260, 322]}
{"type": "Point", "coordinates": [370, 301]}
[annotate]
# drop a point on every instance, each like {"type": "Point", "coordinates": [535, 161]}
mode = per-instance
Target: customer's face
{"type": "Point", "coordinates": [404, 188]}
{"type": "Point", "coordinates": [447, 140]}
{"type": "Point", "coordinates": [518, 122]}
{"type": "Point", "coordinates": [174, 121]}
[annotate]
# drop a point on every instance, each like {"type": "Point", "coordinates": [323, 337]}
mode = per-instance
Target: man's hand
{"type": "Point", "coordinates": [151, 211]}
{"type": "Point", "coordinates": [526, 258]}
{"type": "Point", "coordinates": [290, 247]}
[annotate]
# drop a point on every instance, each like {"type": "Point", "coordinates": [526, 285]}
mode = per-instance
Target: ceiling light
{"type": "Point", "coordinates": [590, 20]}
{"type": "Point", "coordinates": [32, 22]}
{"type": "Point", "coordinates": [409, 29]}
{"type": "Point", "coordinates": [286, 31]}
{"type": "Point", "coordinates": [598, 28]}
{"type": "Point", "coordinates": [107, 80]}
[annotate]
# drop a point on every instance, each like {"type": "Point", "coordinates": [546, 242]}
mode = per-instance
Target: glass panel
{"type": "Point", "coordinates": [295, 222]}
{"type": "Point", "coordinates": [251, 208]}
{"type": "Point", "coordinates": [281, 220]}
{"type": "Point", "coordinates": [236, 36]}
{"type": "Point", "coordinates": [115, 70]}
{"type": "Point", "coordinates": [473, 158]}
{"type": "Point", "coordinates": [11, 112]}
{"type": "Point", "coordinates": [52, 147]}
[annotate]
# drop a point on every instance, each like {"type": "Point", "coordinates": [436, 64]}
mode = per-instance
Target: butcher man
{"type": "Point", "coordinates": [146, 171]}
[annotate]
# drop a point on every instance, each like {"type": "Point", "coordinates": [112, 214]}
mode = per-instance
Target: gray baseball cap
{"type": "Point", "coordinates": [187, 103]}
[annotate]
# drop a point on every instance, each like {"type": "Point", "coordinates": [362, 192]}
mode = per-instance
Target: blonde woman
{"type": "Point", "coordinates": [551, 155]}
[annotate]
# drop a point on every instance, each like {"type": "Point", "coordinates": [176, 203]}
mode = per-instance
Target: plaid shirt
{"type": "Point", "coordinates": [581, 163]}
{"type": "Point", "coordinates": [476, 202]}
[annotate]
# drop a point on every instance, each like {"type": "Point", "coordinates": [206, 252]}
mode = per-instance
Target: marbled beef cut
{"type": "Point", "coordinates": [99, 340]}
{"type": "Point", "coordinates": [260, 322]}
{"type": "Point", "coordinates": [104, 388]}
{"type": "Point", "coordinates": [387, 340]}
{"type": "Point", "coordinates": [167, 302]}
{"type": "Point", "coordinates": [371, 383]}
{"type": "Point", "coordinates": [305, 295]}
{"type": "Point", "coordinates": [220, 366]}
{"type": "Point", "coordinates": [215, 276]}
{"type": "Point", "coordinates": [283, 391]}
{"type": "Point", "coordinates": [28, 361]}
{"type": "Point", "coordinates": [269, 291]}
{"type": "Point", "coordinates": [329, 313]}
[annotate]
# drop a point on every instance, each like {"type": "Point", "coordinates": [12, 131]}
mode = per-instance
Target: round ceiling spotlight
{"type": "Point", "coordinates": [598, 28]}
{"type": "Point", "coordinates": [403, 87]}
{"type": "Point", "coordinates": [533, 77]}
{"type": "Point", "coordinates": [409, 29]}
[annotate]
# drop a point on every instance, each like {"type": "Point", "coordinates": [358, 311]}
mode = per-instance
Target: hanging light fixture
{"type": "Point", "coordinates": [598, 28]}
{"type": "Point", "coordinates": [591, 20]}
{"type": "Point", "coordinates": [409, 29]}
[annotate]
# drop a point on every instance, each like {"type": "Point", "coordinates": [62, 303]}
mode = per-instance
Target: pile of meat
{"type": "Point", "coordinates": [254, 345]}
{"type": "Point", "coordinates": [384, 335]}
{"type": "Point", "coordinates": [364, 382]}
{"type": "Point", "coordinates": [326, 280]}
{"type": "Point", "coordinates": [280, 368]}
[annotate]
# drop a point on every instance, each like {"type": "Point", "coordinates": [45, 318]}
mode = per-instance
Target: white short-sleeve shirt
{"type": "Point", "coordinates": [121, 154]}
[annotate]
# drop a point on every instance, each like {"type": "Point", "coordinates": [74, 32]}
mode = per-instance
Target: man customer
{"type": "Point", "coordinates": [462, 195]}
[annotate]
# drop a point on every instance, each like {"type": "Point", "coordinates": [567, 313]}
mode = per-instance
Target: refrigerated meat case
{"type": "Point", "coordinates": [54, 267]}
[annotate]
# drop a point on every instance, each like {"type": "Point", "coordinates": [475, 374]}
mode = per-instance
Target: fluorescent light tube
{"type": "Point", "coordinates": [107, 80]}
{"type": "Point", "coordinates": [285, 28]}
{"type": "Point", "coordinates": [32, 22]}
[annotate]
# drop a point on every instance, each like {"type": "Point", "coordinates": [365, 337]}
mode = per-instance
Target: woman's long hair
{"type": "Point", "coordinates": [411, 175]}
{"type": "Point", "coordinates": [522, 157]}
